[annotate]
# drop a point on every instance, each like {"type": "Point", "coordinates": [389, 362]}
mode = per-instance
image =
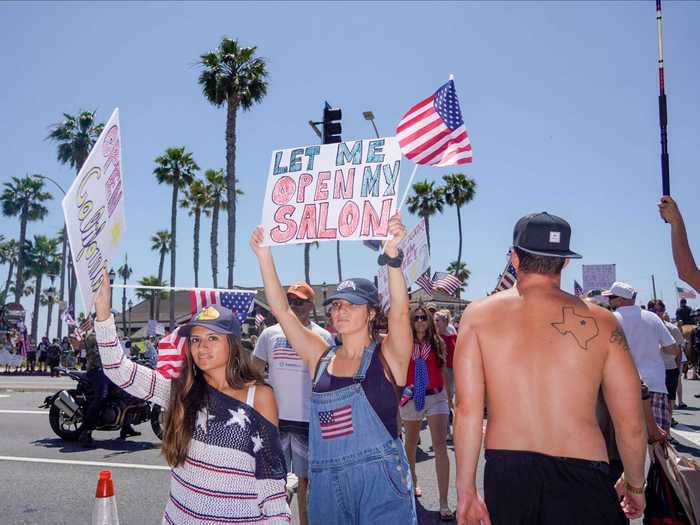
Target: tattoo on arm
{"type": "Point", "coordinates": [583, 328]}
{"type": "Point", "coordinates": [618, 338]}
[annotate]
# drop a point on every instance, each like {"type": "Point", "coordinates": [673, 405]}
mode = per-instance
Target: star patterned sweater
{"type": "Point", "coordinates": [234, 471]}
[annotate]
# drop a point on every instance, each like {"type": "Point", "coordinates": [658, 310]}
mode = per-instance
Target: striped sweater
{"type": "Point", "coordinates": [234, 471]}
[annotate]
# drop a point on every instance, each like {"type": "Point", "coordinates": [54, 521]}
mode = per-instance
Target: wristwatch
{"type": "Point", "coordinates": [394, 262]}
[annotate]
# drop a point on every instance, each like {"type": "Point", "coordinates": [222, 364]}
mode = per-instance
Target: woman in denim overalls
{"type": "Point", "coordinates": [359, 473]}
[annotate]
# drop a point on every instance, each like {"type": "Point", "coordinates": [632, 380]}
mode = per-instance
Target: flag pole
{"type": "Point", "coordinates": [663, 121]}
{"type": "Point", "coordinates": [408, 188]}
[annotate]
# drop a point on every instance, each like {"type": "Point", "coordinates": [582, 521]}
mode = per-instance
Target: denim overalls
{"type": "Point", "coordinates": [358, 473]}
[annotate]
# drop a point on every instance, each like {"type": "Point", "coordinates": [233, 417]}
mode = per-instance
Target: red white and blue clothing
{"type": "Point", "coordinates": [234, 471]}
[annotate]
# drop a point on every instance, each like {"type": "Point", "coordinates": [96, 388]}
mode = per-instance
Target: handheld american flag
{"type": "Point", "coordinates": [171, 355]}
{"type": "Point", "coordinates": [507, 279]}
{"type": "Point", "coordinates": [685, 293]}
{"type": "Point", "coordinates": [425, 282]}
{"type": "Point", "coordinates": [578, 289]}
{"type": "Point", "coordinates": [446, 281]}
{"type": "Point", "coordinates": [433, 132]}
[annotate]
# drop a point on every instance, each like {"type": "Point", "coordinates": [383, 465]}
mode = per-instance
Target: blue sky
{"type": "Point", "coordinates": [560, 100]}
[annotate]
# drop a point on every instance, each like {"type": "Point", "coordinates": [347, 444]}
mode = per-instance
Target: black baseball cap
{"type": "Point", "coordinates": [215, 317]}
{"type": "Point", "coordinates": [544, 234]}
{"type": "Point", "coordinates": [355, 291]}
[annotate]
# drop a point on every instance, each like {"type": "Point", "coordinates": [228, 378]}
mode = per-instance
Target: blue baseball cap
{"type": "Point", "coordinates": [355, 291]}
{"type": "Point", "coordinates": [215, 317]}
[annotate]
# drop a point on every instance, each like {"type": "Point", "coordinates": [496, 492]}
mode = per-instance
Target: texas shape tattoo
{"type": "Point", "coordinates": [582, 327]}
{"type": "Point", "coordinates": [618, 337]}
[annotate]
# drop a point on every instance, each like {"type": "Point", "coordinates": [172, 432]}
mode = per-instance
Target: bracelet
{"type": "Point", "coordinates": [631, 488]}
{"type": "Point", "coordinates": [394, 262]}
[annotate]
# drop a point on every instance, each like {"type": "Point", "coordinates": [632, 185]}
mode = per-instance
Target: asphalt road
{"type": "Point", "coordinates": [46, 481]}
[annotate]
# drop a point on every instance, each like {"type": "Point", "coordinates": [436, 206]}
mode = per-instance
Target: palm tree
{"type": "Point", "coordinates": [234, 76]}
{"type": "Point", "coordinates": [217, 186]}
{"type": "Point", "coordinates": [426, 201]}
{"type": "Point", "coordinates": [9, 253]}
{"type": "Point", "coordinates": [42, 258]}
{"type": "Point", "coordinates": [74, 135]}
{"type": "Point", "coordinates": [151, 295]}
{"type": "Point", "coordinates": [307, 260]}
{"type": "Point", "coordinates": [48, 298]}
{"type": "Point", "coordinates": [460, 270]}
{"type": "Point", "coordinates": [458, 190]}
{"type": "Point", "coordinates": [177, 168]}
{"type": "Point", "coordinates": [24, 197]}
{"type": "Point", "coordinates": [124, 271]}
{"type": "Point", "coordinates": [198, 200]}
{"type": "Point", "coordinates": [160, 242]}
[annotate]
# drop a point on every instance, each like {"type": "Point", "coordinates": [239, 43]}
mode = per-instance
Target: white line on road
{"type": "Point", "coordinates": [687, 433]}
{"type": "Point", "coordinates": [24, 411]}
{"type": "Point", "coordinates": [84, 463]}
{"type": "Point", "coordinates": [4, 395]}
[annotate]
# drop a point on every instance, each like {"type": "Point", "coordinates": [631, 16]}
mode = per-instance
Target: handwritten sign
{"type": "Point", "coordinates": [94, 211]}
{"type": "Point", "coordinates": [416, 260]}
{"type": "Point", "coordinates": [598, 276]}
{"type": "Point", "coordinates": [344, 191]}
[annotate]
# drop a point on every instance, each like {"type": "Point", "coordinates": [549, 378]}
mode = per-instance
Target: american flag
{"type": "Point", "coordinates": [448, 282]}
{"type": "Point", "coordinates": [425, 282]}
{"type": "Point", "coordinates": [171, 355]}
{"type": "Point", "coordinates": [281, 349]}
{"type": "Point", "coordinates": [241, 302]}
{"type": "Point", "coordinates": [336, 423]}
{"type": "Point", "coordinates": [507, 278]}
{"type": "Point", "coordinates": [685, 293]}
{"type": "Point", "coordinates": [259, 320]}
{"type": "Point", "coordinates": [578, 289]}
{"type": "Point", "coordinates": [433, 132]}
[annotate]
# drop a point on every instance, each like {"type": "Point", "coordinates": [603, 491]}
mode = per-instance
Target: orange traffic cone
{"type": "Point", "coordinates": [105, 510]}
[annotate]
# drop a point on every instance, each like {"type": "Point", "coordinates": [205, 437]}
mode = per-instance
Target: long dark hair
{"type": "Point", "coordinates": [431, 336]}
{"type": "Point", "coordinates": [188, 395]}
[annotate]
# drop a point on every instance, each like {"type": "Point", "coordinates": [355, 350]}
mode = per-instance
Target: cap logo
{"type": "Point", "coordinates": [554, 236]}
{"type": "Point", "coordinates": [345, 285]}
{"type": "Point", "coordinates": [208, 314]}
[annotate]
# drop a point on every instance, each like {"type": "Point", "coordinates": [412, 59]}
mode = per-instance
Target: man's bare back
{"type": "Point", "coordinates": [544, 353]}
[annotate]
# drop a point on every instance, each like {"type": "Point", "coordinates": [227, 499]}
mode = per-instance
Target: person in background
{"type": "Point", "coordinates": [53, 357]}
{"type": "Point", "coordinates": [150, 353]}
{"type": "Point", "coordinates": [442, 324]}
{"type": "Point", "coordinates": [31, 357]}
{"type": "Point", "coordinates": [41, 353]}
{"type": "Point", "coordinates": [684, 313]}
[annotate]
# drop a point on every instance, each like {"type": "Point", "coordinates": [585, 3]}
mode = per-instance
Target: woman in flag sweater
{"type": "Point", "coordinates": [220, 435]}
{"type": "Point", "coordinates": [358, 472]}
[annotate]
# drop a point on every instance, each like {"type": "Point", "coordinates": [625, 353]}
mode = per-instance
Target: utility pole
{"type": "Point", "coordinates": [653, 286]}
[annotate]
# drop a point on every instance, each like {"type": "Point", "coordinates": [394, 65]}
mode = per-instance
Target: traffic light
{"type": "Point", "coordinates": [331, 124]}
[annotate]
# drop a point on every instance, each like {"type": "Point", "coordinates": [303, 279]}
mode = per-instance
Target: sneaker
{"type": "Point", "coordinates": [128, 431]}
{"type": "Point", "coordinates": [86, 440]}
{"type": "Point", "coordinates": [682, 406]}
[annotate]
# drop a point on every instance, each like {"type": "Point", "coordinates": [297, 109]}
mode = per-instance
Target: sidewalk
{"type": "Point", "coordinates": [30, 383]}
{"type": "Point", "coordinates": [687, 431]}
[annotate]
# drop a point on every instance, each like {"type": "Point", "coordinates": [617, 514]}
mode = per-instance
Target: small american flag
{"type": "Point", "coordinates": [171, 355]}
{"type": "Point", "coordinates": [685, 293]}
{"type": "Point", "coordinates": [448, 282]}
{"type": "Point", "coordinates": [241, 302]}
{"type": "Point", "coordinates": [336, 423]}
{"type": "Point", "coordinates": [578, 289]}
{"type": "Point", "coordinates": [259, 320]}
{"type": "Point", "coordinates": [433, 132]}
{"type": "Point", "coordinates": [425, 282]}
{"type": "Point", "coordinates": [281, 349]}
{"type": "Point", "coordinates": [507, 279]}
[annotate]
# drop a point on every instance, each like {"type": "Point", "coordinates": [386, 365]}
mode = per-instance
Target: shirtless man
{"type": "Point", "coordinates": [546, 460]}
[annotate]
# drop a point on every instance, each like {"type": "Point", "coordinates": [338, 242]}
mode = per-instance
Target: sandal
{"type": "Point", "coordinates": [446, 514]}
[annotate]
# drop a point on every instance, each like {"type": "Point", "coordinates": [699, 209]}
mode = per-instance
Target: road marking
{"type": "Point", "coordinates": [4, 395]}
{"type": "Point", "coordinates": [24, 411]}
{"type": "Point", "coordinates": [84, 463]}
{"type": "Point", "coordinates": [687, 433]}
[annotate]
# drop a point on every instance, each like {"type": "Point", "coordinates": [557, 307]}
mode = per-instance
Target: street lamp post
{"type": "Point", "coordinates": [370, 116]}
{"type": "Point", "coordinates": [112, 275]}
{"type": "Point", "coordinates": [130, 306]}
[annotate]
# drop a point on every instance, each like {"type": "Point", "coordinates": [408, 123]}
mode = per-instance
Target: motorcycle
{"type": "Point", "coordinates": [67, 409]}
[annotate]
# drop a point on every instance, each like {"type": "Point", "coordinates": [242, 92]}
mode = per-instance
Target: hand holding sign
{"type": "Point", "coordinates": [397, 232]}
{"type": "Point", "coordinates": [103, 299]}
{"type": "Point", "coordinates": [256, 242]}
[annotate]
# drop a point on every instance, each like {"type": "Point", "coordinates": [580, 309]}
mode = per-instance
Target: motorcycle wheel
{"type": "Point", "coordinates": [157, 416]}
{"type": "Point", "coordinates": [64, 427]}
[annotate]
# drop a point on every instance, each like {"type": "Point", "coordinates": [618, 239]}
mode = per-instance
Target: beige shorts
{"type": "Point", "coordinates": [435, 404]}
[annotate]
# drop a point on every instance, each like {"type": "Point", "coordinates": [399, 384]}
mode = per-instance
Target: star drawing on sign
{"type": "Point", "coordinates": [583, 328]}
{"type": "Point", "coordinates": [203, 419]}
{"type": "Point", "coordinates": [238, 417]}
{"type": "Point", "coordinates": [257, 442]}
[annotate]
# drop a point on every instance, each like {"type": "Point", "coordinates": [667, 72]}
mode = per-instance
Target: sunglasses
{"type": "Point", "coordinates": [420, 318]}
{"type": "Point", "coordinates": [295, 301]}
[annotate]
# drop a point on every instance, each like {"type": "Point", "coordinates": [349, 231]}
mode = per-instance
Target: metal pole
{"type": "Point", "coordinates": [653, 286]}
{"type": "Point", "coordinates": [663, 120]}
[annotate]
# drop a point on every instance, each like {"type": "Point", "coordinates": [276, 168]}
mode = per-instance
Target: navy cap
{"type": "Point", "coordinates": [544, 234]}
{"type": "Point", "coordinates": [355, 291]}
{"type": "Point", "coordinates": [215, 317]}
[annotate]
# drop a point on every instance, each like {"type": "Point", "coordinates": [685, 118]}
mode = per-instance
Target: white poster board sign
{"type": "Point", "coordinates": [344, 191]}
{"type": "Point", "coordinates": [598, 276]}
{"type": "Point", "coordinates": [416, 260]}
{"type": "Point", "coordinates": [94, 211]}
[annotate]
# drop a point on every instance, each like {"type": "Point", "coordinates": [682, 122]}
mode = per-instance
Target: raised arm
{"type": "Point", "coordinates": [308, 345]}
{"type": "Point", "coordinates": [139, 381]}
{"type": "Point", "coordinates": [682, 256]}
{"type": "Point", "coordinates": [398, 344]}
{"type": "Point", "coordinates": [621, 393]}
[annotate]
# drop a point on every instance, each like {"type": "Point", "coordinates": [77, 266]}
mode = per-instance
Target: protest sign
{"type": "Point", "coordinates": [94, 211]}
{"type": "Point", "coordinates": [598, 276]}
{"type": "Point", "coordinates": [416, 260]}
{"type": "Point", "coordinates": [344, 191]}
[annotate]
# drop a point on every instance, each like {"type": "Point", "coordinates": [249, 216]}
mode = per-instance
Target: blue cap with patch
{"type": "Point", "coordinates": [355, 291]}
{"type": "Point", "coordinates": [215, 317]}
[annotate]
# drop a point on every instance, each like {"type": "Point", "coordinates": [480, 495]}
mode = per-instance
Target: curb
{"type": "Point", "coordinates": [29, 389]}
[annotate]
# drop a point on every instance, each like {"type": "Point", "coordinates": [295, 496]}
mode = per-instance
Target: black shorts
{"type": "Point", "coordinates": [672, 377]}
{"type": "Point", "coordinates": [528, 488]}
